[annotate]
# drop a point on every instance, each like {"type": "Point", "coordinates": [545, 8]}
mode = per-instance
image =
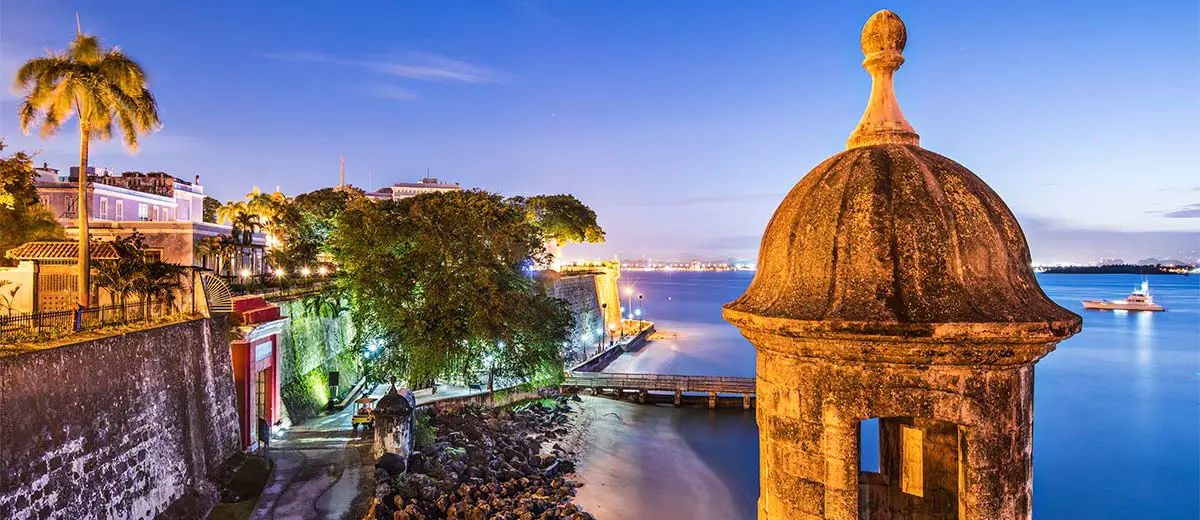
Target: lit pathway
{"type": "Point", "coordinates": [324, 469]}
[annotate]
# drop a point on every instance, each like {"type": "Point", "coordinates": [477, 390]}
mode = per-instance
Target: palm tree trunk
{"type": "Point", "coordinates": [84, 265]}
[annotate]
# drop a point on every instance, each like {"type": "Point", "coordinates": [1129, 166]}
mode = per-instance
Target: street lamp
{"type": "Point", "coordinates": [491, 363]}
{"type": "Point", "coordinates": [603, 319]}
{"type": "Point", "coordinates": [612, 330]}
{"type": "Point", "coordinates": [305, 272]}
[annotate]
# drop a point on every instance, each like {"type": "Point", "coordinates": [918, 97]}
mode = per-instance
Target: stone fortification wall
{"type": "Point", "coordinates": [316, 340]}
{"type": "Point", "coordinates": [116, 427]}
{"type": "Point", "coordinates": [585, 291]}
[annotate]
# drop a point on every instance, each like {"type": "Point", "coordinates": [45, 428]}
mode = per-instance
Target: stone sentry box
{"type": "Point", "coordinates": [893, 283]}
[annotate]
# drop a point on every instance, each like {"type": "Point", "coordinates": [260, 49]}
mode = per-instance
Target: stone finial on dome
{"type": "Point", "coordinates": [883, 39]}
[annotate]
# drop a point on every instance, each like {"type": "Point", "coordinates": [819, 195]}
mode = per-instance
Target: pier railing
{"type": "Point", "coordinates": [661, 382]}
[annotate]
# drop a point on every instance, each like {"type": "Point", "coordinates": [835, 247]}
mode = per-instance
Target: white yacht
{"type": "Point", "coordinates": [1138, 300]}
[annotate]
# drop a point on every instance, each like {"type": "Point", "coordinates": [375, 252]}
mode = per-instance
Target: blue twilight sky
{"type": "Point", "coordinates": [682, 123]}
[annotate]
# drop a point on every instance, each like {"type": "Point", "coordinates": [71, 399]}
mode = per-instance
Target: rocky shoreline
{"type": "Point", "coordinates": [509, 463]}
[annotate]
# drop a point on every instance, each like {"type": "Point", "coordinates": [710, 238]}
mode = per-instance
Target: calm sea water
{"type": "Point", "coordinates": [1117, 409]}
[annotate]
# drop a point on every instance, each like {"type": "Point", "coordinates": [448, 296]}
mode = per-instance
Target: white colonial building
{"type": "Point", "coordinates": [404, 190]}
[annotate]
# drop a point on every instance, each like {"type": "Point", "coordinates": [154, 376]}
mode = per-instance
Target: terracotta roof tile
{"type": "Point", "coordinates": [60, 251]}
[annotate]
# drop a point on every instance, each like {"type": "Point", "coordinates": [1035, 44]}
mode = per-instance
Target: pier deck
{"type": "Point", "coordinates": [715, 391]}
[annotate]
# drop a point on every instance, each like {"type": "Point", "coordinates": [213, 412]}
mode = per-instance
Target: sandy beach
{"type": "Point", "coordinates": [634, 464]}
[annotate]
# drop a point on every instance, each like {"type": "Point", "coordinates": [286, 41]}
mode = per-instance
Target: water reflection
{"type": "Point", "coordinates": [1117, 414]}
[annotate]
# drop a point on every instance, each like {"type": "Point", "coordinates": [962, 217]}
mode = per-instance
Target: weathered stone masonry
{"type": "Point", "coordinates": [586, 289]}
{"type": "Point", "coordinates": [117, 427]}
{"type": "Point", "coordinates": [894, 284]}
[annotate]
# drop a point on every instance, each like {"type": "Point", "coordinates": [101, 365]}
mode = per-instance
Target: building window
{"type": "Point", "coordinates": [120, 213]}
{"type": "Point", "coordinates": [153, 255]}
{"type": "Point", "coordinates": [156, 214]}
{"type": "Point", "coordinates": [103, 207]}
{"type": "Point", "coordinates": [143, 212]}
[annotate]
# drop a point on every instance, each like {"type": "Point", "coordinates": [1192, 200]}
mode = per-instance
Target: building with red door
{"type": "Point", "coordinates": [255, 351]}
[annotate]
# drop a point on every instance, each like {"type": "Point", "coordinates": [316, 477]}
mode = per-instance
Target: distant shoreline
{"type": "Point", "coordinates": [1117, 269]}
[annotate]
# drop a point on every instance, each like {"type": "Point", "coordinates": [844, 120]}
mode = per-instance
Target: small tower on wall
{"type": "Point", "coordinates": [894, 292]}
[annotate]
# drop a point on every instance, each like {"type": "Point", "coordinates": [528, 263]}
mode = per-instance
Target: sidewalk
{"type": "Point", "coordinates": [324, 468]}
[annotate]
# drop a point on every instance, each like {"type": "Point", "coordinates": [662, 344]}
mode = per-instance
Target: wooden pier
{"type": "Point", "coordinates": [713, 391]}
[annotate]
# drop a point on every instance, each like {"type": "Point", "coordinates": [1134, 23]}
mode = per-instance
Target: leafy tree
{"type": "Point", "coordinates": [23, 218]}
{"type": "Point", "coordinates": [302, 226]}
{"type": "Point", "coordinates": [210, 209]}
{"type": "Point", "coordinates": [562, 218]}
{"type": "Point", "coordinates": [96, 85]}
{"type": "Point", "coordinates": [442, 282]}
{"type": "Point", "coordinates": [321, 208]}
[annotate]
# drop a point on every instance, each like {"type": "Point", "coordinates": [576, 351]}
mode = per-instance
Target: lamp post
{"type": "Point", "coordinates": [639, 308]}
{"type": "Point", "coordinates": [491, 363]}
{"type": "Point", "coordinates": [603, 324]}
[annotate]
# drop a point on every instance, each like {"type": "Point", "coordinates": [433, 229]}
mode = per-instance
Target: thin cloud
{"type": "Point", "coordinates": [429, 67]}
{"type": "Point", "coordinates": [1189, 211]}
{"type": "Point", "coordinates": [418, 66]}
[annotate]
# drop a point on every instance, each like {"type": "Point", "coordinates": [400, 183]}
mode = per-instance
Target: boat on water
{"type": "Point", "coordinates": [1138, 300]}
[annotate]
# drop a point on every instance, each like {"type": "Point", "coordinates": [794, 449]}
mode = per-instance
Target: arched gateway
{"type": "Point", "coordinates": [895, 284]}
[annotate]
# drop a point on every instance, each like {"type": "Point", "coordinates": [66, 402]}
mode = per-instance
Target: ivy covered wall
{"type": "Point", "coordinates": [317, 340]}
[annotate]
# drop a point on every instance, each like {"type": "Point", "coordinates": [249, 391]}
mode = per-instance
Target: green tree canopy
{"type": "Point", "coordinates": [443, 282]}
{"type": "Point", "coordinates": [562, 218]}
{"type": "Point", "coordinates": [23, 218]}
{"type": "Point", "coordinates": [210, 209]}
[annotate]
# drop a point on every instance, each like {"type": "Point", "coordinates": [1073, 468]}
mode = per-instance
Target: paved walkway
{"type": "Point", "coordinates": [323, 467]}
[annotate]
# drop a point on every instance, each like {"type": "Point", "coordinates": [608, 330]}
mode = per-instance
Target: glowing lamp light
{"type": "Point", "coordinates": [244, 273]}
{"type": "Point", "coordinates": [638, 312]}
{"type": "Point", "coordinates": [305, 272]}
{"type": "Point", "coordinates": [612, 326]}
{"type": "Point", "coordinates": [600, 331]}
{"type": "Point", "coordinates": [322, 271]}
{"type": "Point", "coordinates": [628, 291]}
{"type": "Point", "coordinates": [280, 273]}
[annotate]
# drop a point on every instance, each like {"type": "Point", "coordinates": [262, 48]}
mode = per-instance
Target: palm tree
{"type": "Point", "coordinates": [119, 277]}
{"type": "Point", "coordinates": [7, 301]}
{"type": "Point", "coordinates": [161, 280]}
{"type": "Point", "coordinates": [97, 85]}
{"type": "Point", "coordinates": [229, 211]}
